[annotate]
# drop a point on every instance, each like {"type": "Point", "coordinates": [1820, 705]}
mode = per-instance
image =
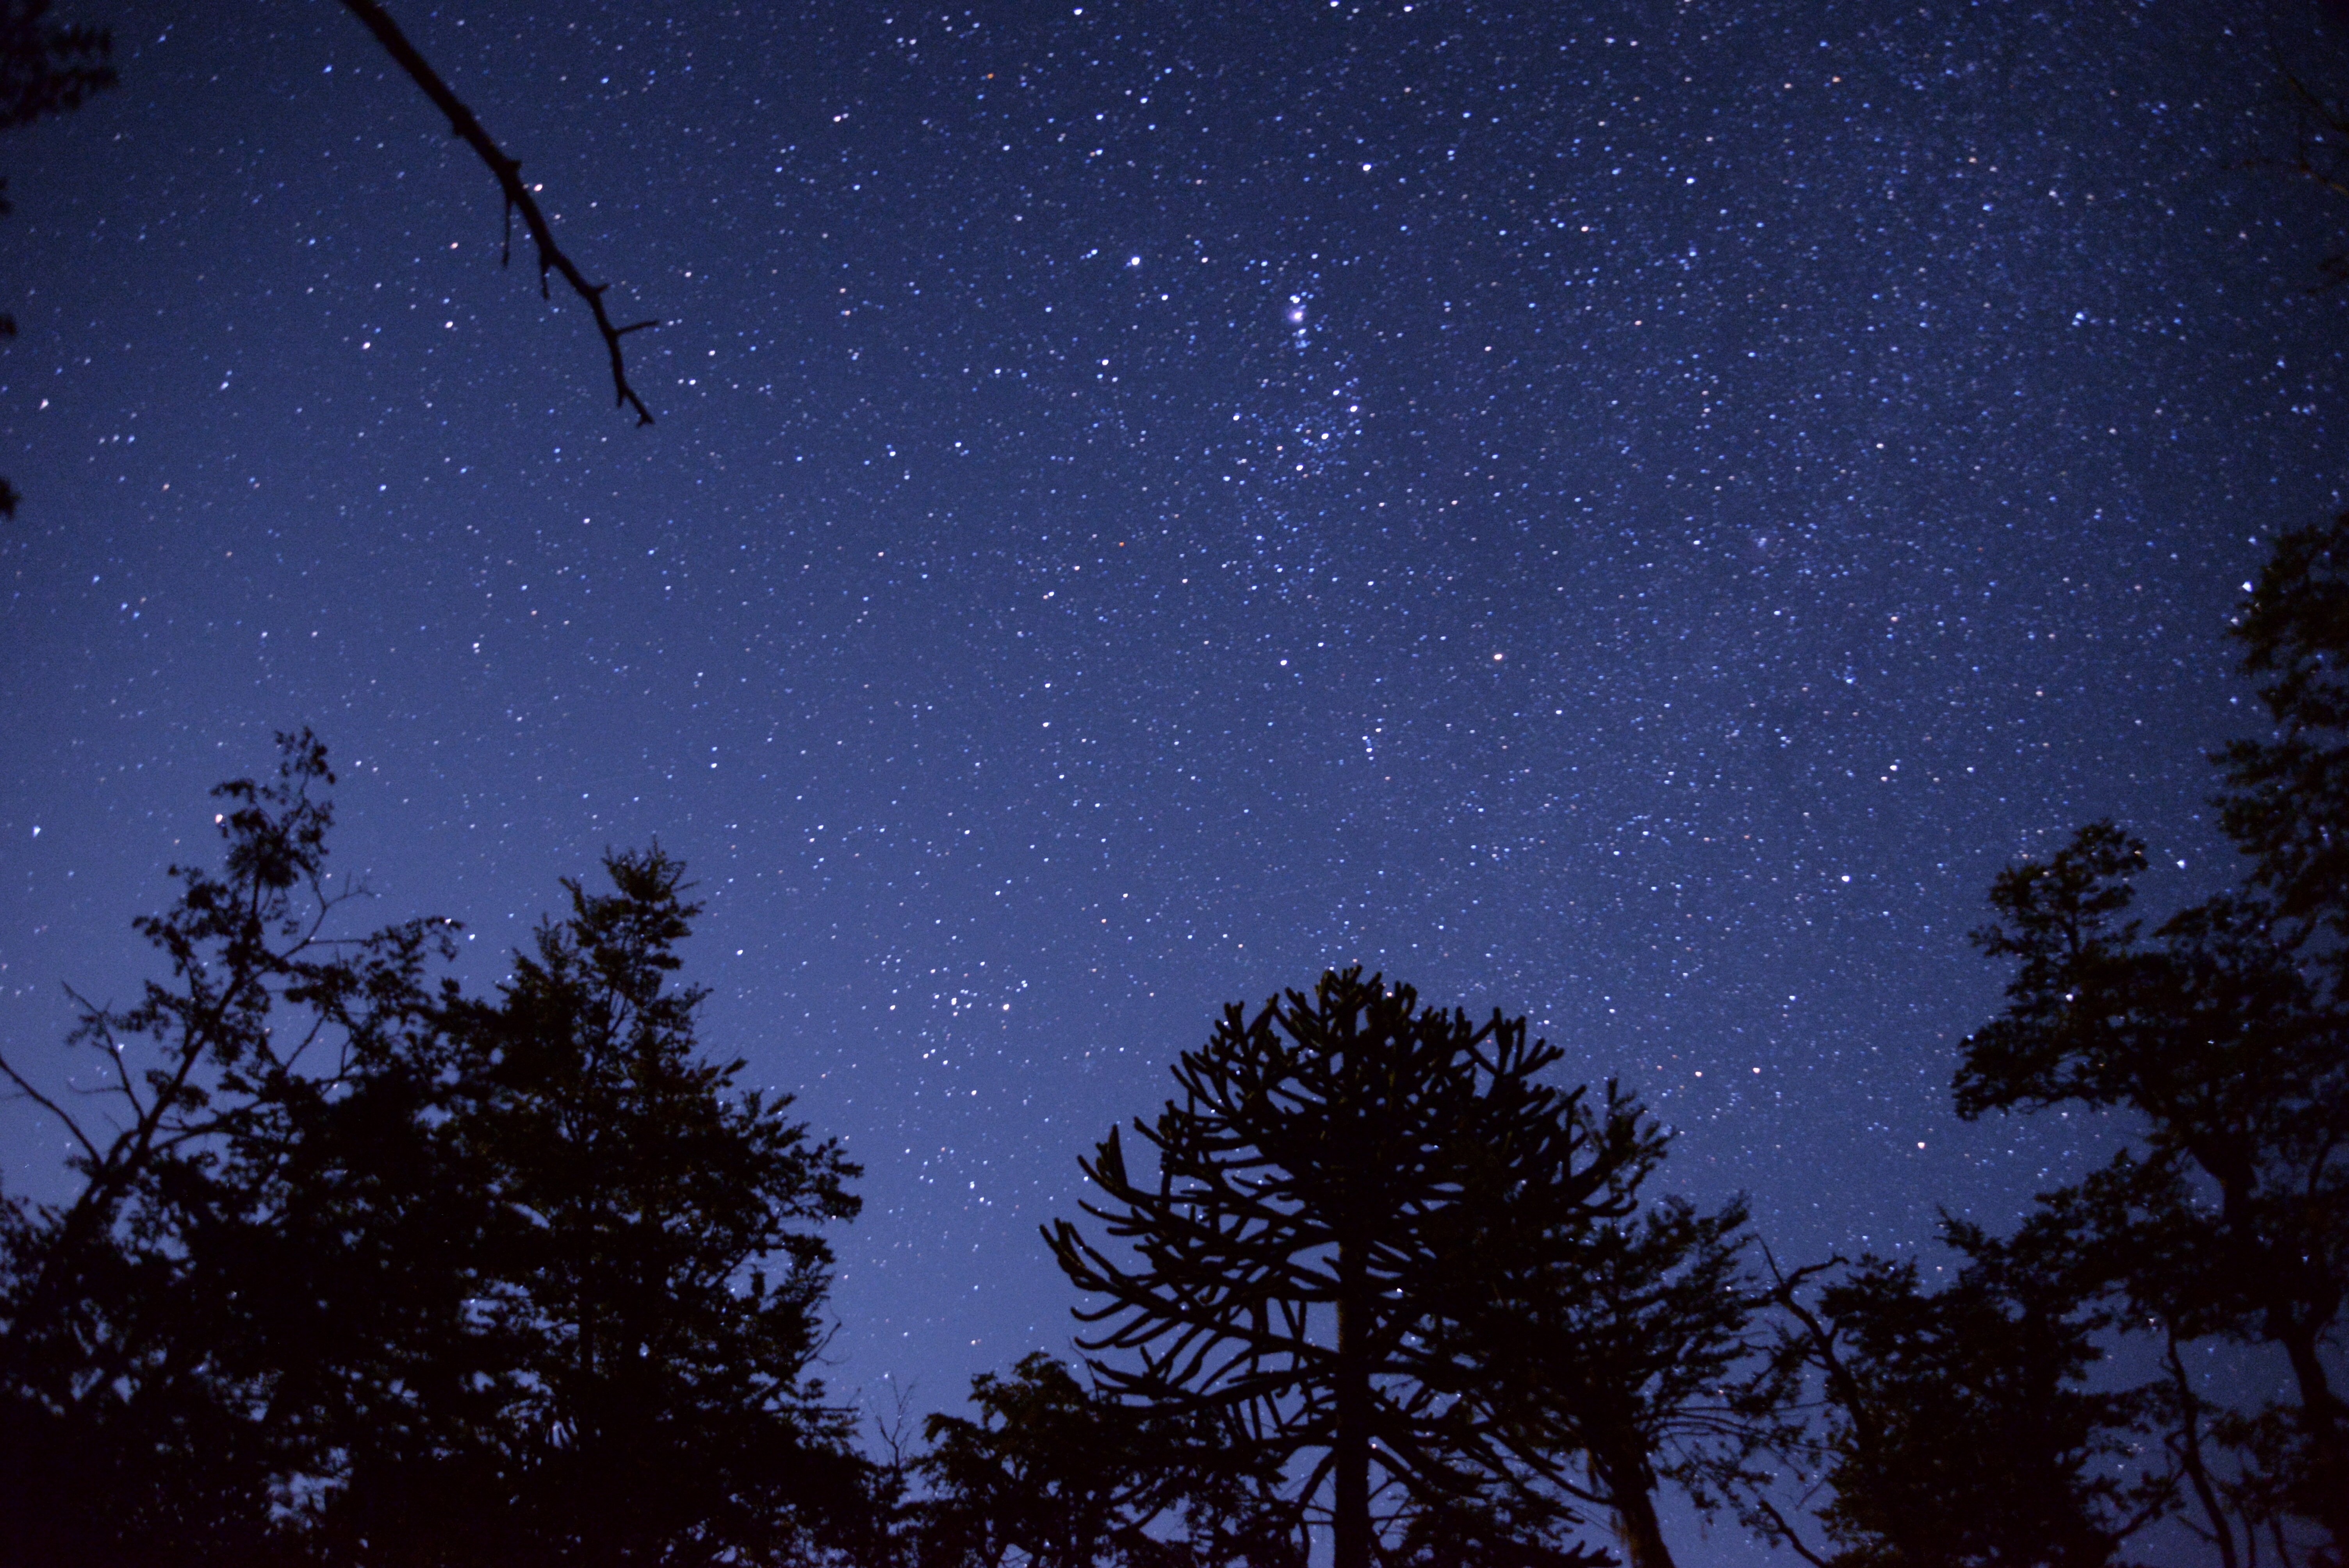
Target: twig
{"type": "Point", "coordinates": [1793, 1539]}
{"type": "Point", "coordinates": [518, 196]}
{"type": "Point", "coordinates": [2319, 120]}
{"type": "Point", "coordinates": [24, 1090]}
{"type": "Point", "coordinates": [2187, 1445]}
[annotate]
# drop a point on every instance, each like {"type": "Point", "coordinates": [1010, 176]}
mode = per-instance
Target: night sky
{"type": "Point", "coordinates": [1627, 515]}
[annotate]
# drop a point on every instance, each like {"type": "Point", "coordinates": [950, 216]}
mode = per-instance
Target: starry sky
{"type": "Point", "coordinates": [1626, 513]}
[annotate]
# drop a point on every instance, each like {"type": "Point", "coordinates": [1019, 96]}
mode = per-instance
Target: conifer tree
{"type": "Point", "coordinates": [1326, 1184]}
{"type": "Point", "coordinates": [663, 1284]}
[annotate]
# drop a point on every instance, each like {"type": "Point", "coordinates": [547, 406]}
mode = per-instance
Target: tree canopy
{"type": "Point", "coordinates": [373, 1271]}
{"type": "Point", "coordinates": [364, 1267]}
{"type": "Point", "coordinates": [1614, 1356]}
{"type": "Point", "coordinates": [2222, 1027]}
{"type": "Point", "coordinates": [1958, 1426]}
{"type": "Point", "coordinates": [45, 68]}
{"type": "Point", "coordinates": [1053, 1473]}
{"type": "Point", "coordinates": [1335, 1168]}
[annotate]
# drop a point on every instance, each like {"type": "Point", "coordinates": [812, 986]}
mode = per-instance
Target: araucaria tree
{"type": "Point", "coordinates": [1336, 1167]}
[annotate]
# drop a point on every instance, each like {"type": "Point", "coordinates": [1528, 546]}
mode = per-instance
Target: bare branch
{"type": "Point", "coordinates": [100, 1036]}
{"type": "Point", "coordinates": [26, 1091]}
{"type": "Point", "coordinates": [518, 196]}
{"type": "Point", "coordinates": [1787, 1530]}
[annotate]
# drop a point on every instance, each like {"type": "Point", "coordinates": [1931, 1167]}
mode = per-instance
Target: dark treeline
{"type": "Point", "coordinates": [358, 1267]}
{"type": "Point", "coordinates": [366, 1269]}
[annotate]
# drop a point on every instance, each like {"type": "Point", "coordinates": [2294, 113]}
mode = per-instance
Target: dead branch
{"type": "Point", "coordinates": [24, 1090]}
{"type": "Point", "coordinates": [1793, 1539]}
{"type": "Point", "coordinates": [518, 196]}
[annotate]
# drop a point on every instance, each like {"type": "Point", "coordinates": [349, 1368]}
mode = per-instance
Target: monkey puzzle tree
{"type": "Point", "coordinates": [1326, 1186]}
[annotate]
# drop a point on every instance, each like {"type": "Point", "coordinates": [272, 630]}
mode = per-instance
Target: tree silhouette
{"type": "Point", "coordinates": [2223, 1029]}
{"type": "Point", "coordinates": [662, 1288]}
{"type": "Point", "coordinates": [2287, 800]}
{"type": "Point", "coordinates": [47, 68]}
{"type": "Point", "coordinates": [367, 1271]}
{"type": "Point", "coordinates": [1960, 1428]}
{"type": "Point", "coordinates": [1324, 1188]}
{"type": "Point", "coordinates": [44, 70]}
{"type": "Point", "coordinates": [185, 1332]}
{"type": "Point", "coordinates": [1612, 1354]}
{"type": "Point", "coordinates": [1054, 1474]}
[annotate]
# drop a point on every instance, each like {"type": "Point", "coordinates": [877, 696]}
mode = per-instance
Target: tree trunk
{"type": "Point", "coordinates": [2320, 1416]}
{"type": "Point", "coordinates": [1630, 1489]}
{"type": "Point", "coordinates": [1636, 1527]}
{"type": "Point", "coordinates": [1350, 1469]}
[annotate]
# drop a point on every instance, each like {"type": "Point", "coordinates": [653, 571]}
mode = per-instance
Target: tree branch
{"type": "Point", "coordinates": [24, 1090]}
{"type": "Point", "coordinates": [518, 197]}
{"type": "Point", "coordinates": [1793, 1539]}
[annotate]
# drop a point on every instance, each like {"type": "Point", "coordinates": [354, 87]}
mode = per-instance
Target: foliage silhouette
{"type": "Point", "coordinates": [45, 67]}
{"type": "Point", "coordinates": [1054, 1474]}
{"type": "Point", "coordinates": [2223, 1029]}
{"type": "Point", "coordinates": [141, 1417]}
{"type": "Point", "coordinates": [1616, 1352]}
{"type": "Point", "coordinates": [1337, 1166]}
{"type": "Point", "coordinates": [367, 1271]}
{"type": "Point", "coordinates": [660, 1283]}
{"type": "Point", "coordinates": [44, 70]}
{"type": "Point", "coordinates": [1960, 1428]}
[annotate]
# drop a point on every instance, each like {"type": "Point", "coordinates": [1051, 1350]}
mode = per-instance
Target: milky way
{"type": "Point", "coordinates": [1622, 514]}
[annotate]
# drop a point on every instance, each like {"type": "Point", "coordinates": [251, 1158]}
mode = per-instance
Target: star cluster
{"type": "Point", "coordinates": [1629, 513]}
